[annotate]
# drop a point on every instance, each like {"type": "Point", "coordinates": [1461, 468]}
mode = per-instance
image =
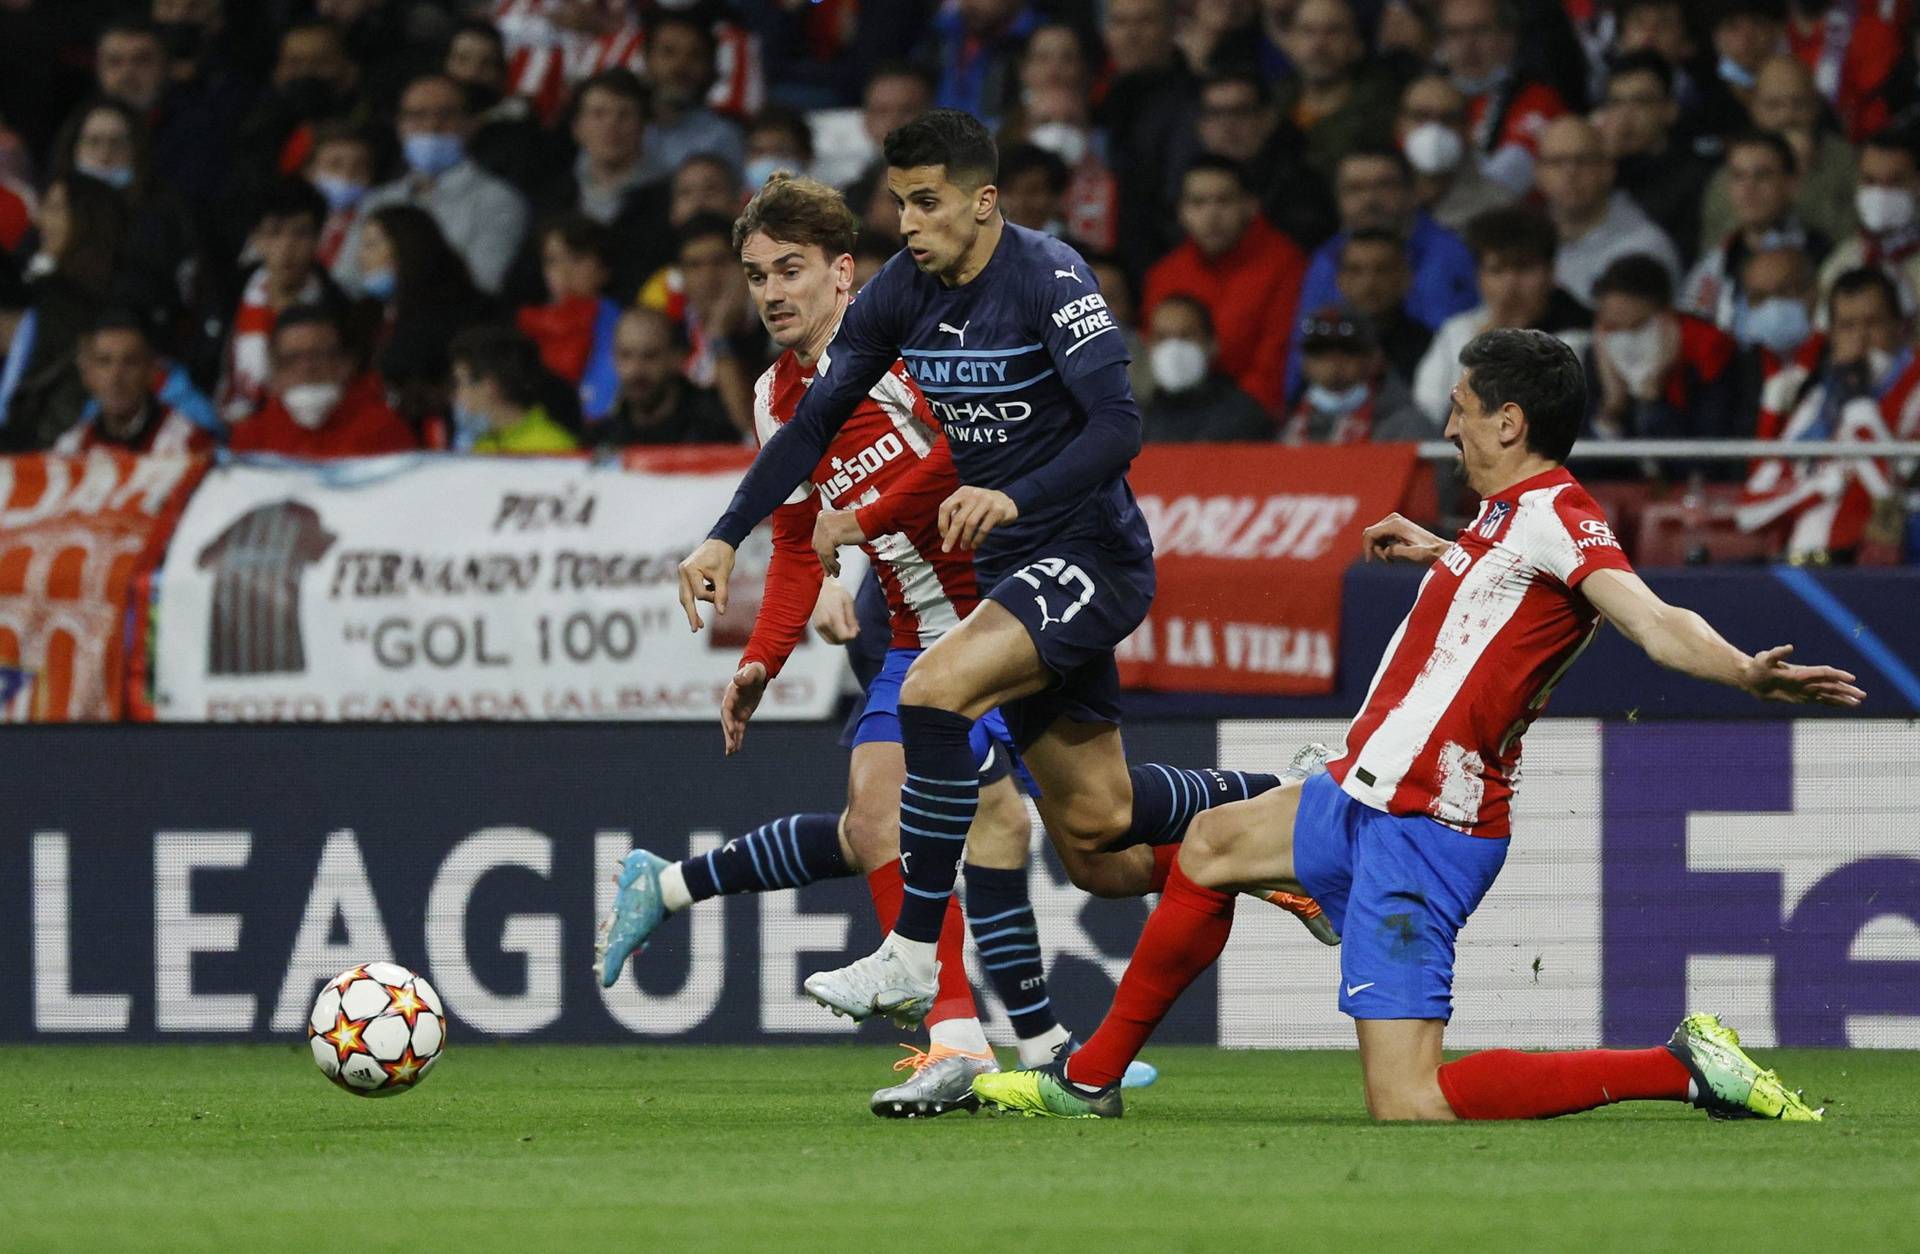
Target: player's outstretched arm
{"type": "Point", "coordinates": [1395, 539]}
{"type": "Point", "coordinates": [1681, 640]}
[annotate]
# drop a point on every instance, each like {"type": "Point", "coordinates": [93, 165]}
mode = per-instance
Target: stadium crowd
{"type": "Point", "coordinates": [339, 227]}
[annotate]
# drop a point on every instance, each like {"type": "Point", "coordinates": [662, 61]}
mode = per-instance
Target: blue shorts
{"type": "Point", "coordinates": [1399, 888]}
{"type": "Point", "coordinates": [880, 721]}
{"type": "Point", "coordinates": [1078, 600]}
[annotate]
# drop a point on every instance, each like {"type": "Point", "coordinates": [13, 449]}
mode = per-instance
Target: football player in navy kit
{"type": "Point", "coordinates": [1007, 334]}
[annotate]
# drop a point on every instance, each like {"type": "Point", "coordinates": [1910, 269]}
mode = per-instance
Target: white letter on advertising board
{"type": "Point", "coordinates": [535, 935]}
{"type": "Point", "coordinates": [179, 933]}
{"type": "Point", "coordinates": [56, 1007]}
{"type": "Point", "coordinates": [340, 888]}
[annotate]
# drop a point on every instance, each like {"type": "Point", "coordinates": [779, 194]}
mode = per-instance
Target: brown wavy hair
{"type": "Point", "coordinates": [795, 209]}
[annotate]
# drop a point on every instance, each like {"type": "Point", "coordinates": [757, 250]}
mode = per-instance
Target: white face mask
{"type": "Point", "coordinates": [1177, 365]}
{"type": "Point", "coordinates": [1879, 362]}
{"type": "Point", "coordinates": [1883, 210]}
{"type": "Point", "coordinates": [1338, 402]}
{"type": "Point", "coordinates": [1063, 139]}
{"type": "Point", "coordinates": [311, 404]}
{"type": "Point", "coordinates": [1434, 148]}
{"type": "Point", "coordinates": [1637, 354]}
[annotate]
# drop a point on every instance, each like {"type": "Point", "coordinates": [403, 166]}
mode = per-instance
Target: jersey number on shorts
{"type": "Point", "coordinates": [1066, 576]}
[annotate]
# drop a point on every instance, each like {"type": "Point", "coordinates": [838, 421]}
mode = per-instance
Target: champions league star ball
{"type": "Point", "coordinates": [377, 1029]}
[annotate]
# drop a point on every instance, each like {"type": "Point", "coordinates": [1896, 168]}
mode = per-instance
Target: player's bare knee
{"type": "Point", "coordinates": [929, 683]}
{"type": "Point", "coordinates": [1096, 874]}
{"type": "Point", "coordinates": [1207, 853]}
{"type": "Point", "coordinates": [871, 834]}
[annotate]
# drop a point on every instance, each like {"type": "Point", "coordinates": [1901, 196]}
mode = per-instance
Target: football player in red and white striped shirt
{"type": "Point", "coordinates": [1404, 833]}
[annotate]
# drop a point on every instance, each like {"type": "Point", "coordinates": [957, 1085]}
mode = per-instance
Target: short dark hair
{"type": "Point", "coordinates": [798, 210]}
{"type": "Point", "coordinates": [1213, 163]}
{"type": "Point", "coordinates": [121, 318]}
{"type": "Point", "coordinates": [1767, 10]}
{"type": "Point", "coordinates": [695, 21]}
{"type": "Point", "coordinates": [1637, 275]}
{"type": "Point", "coordinates": [1378, 152]}
{"type": "Point", "coordinates": [1513, 231]}
{"type": "Point", "coordinates": [1900, 139]}
{"type": "Point", "coordinates": [1641, 61]}
{"type": "Point", "coordinates": [482, 27]}
{"type": "Point", "coordinates": [504, 355]}
{"type": "Point", "coordinates": [1537, 373]}
{"type": "Point", "coordinates": [1773, 141]}
{"type": "Point", "coordinates": [789, 122]}
{"type": "Point", "coordinates": [1194, 303]}
{"type": "Point", "coordinates": [901, 69]}
{"type": "Point", "coordinates": [310, 315]}
{"type": "Point", "coordinates": [621, 81]}
{"type": "Point", "coordinates": [1019, 159]}
{"type": "Point", "coordinates": [946, 137]}
{"type": "Point", "coordinates": [1262, 94]}
{"type": "Point", "coordinates": [701, 225]}
{"type": "Point", "coordinates": [130, 24]}
{"type": "Point", "coordinates": [441, 76]}
{"type": "Point", "coordinates": [292, 198]}
{"type": "Point", "coordinates": [1865, 279]}
{"type": "Point", "coordinates": [579, 235]}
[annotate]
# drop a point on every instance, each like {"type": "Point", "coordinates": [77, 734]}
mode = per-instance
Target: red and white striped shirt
{"type": "Point", "coordinates": [545, 61]}
{"type": "Point", "coordinates": [1498, 620]}
{"type": "Point", "coordinates": [890, 447]}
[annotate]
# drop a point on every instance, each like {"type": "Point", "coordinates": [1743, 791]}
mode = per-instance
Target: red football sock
{"type": "Point", "coordinates": [1183, 936]}
{"type": "Point", "coordinates": [1163, 860]}
{"type": "Point", "coordinates": [1510, 1084]}
{"type": "Point", "coordinates": [955, 1000]}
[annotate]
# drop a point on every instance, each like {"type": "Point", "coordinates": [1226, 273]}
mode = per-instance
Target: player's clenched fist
{"type": "Point", "coordinates": [969, 516]}
{"type": "Point", "coordinates": [703, 577]}
{"type": "Point", "coordinates": [1393, 538]}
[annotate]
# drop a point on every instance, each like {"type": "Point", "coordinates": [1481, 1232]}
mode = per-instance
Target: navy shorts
{"type": "Point", "coordinates": [1078, 600]}
{"type": "Point", "coordinates": [1399, 888]}
{"type": "Point", "coordinates": [879, 720]}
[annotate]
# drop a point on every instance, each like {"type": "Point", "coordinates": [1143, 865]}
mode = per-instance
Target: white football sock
{"type": "Point", "coordinates": [1037, 1051]}
{"type": "Point", "coordinates": [673, 889]}
{"type": "Point", "coordinates": [961, 1034]}
{"type": "Point", "coordinates": [919, 956]}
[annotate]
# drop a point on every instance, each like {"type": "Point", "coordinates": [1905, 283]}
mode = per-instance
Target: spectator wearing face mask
{"type": "Point", "coordinates": [1431, 129]}
{"type": "Point", "coordinates": [778, 139]}
{"type": "Point", "coordinates": [1745, 33]}
{"type": "Point", "coordinates": [107, 141]}
{"type": "Point", "coordinates": [1479, 41]}
{"type": "Point", "coordinates": [340, 167]}
{"type": "Point", "coordinates": [136, 401]}
{"type": "Point", "coordinates": [574, 330]}
{"type": "Point", "coordinates": [1193, 401]}
{"type": "Point", "coordinates": [313, 79]}
{"type": "Point", "coordinates": [1653, 372]}
{"type": "Point", "coordinates": [498, 384]}
{"type": "Point", "coordinates": [319, 406]}
{"type": "Point", "coordinates": [1763, 178]}
{"type": "Point", "coordinates": [656, 404]}
{"type": "Point", "coordinates": [1348, 396]}
{"type": "Point", "coordinates": [421, 297]}
{"type": "Point", "coordinates": [481, 216]}
{"type": "Point", "coordinates": [1866, 389]}
{"type": "Point", "coordinates": [1778, 330]}
{"type": "Point", "coordinates": [1059, 121]}
{"type": "Point", "coordinates": [1889, 234]}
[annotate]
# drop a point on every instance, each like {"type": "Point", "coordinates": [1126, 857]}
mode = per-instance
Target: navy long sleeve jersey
{"type": "Point", "coordinates": [1026, 370]}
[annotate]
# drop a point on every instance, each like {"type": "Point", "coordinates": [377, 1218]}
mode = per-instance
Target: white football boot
{"type": "Point", "coordinates": [881, 983]}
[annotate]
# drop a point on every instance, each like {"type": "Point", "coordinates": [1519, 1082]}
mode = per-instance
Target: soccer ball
{"type": "Point", "coordinates": [377, 1029]}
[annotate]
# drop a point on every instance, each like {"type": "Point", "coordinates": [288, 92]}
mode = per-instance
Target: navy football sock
{"type": "Point", "coordinates": [785, 853]}
{"type": "Point", "coordinates": [1000, 916]}
{"type": "Point", "coordinates": [1165, 799]}
{"type": "Point", "coordinates": [936, 809]}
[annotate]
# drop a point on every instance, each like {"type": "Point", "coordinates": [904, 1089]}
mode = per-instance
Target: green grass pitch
{"type": "Point", "coordinates": [562, 1148]}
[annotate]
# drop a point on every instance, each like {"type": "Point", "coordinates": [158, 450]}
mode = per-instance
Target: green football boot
{"type": "Point", "coordinates": [1729, 1084]}
{"type": "Point", "coordinates": [1046, 1091]}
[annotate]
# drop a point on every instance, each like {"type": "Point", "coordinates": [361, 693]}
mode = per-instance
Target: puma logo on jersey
{"type": "Point", "coordinates": [960, 330]}
{"type": "Point", "coordinates": [1071, 272]}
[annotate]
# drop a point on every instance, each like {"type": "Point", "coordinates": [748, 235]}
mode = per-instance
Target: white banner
{"type": "Point", "coordinates": [416, 588]}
